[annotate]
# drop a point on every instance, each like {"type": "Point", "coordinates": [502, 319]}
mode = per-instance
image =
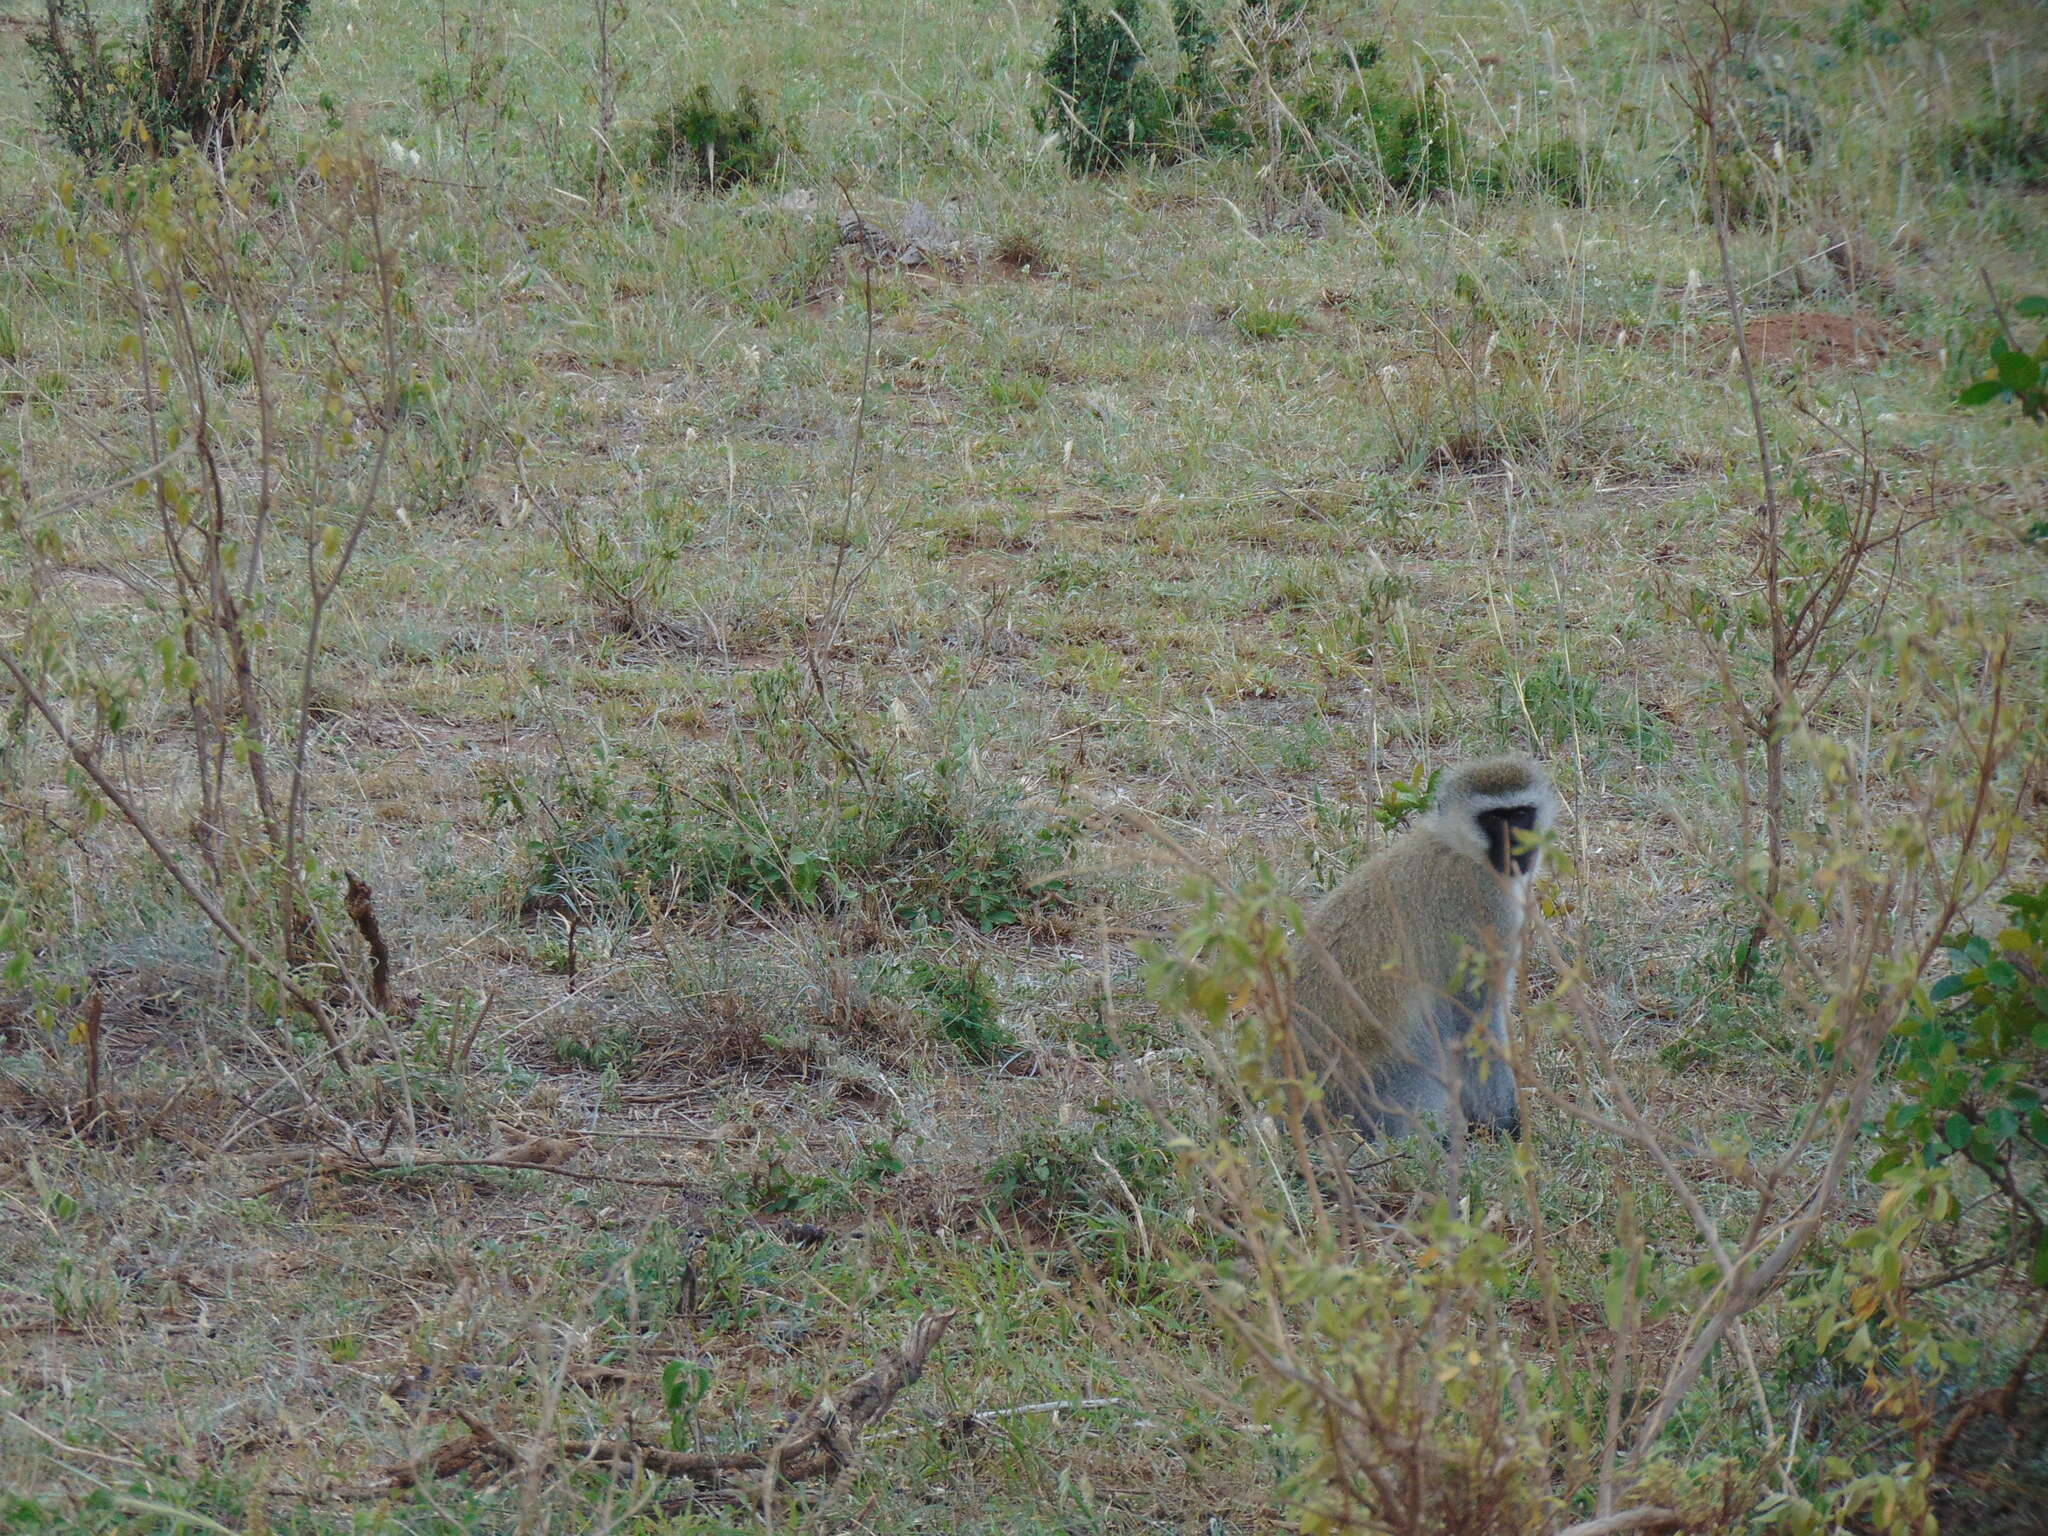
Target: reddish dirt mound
{"type": "Point", "coordinates": [1824, 340]}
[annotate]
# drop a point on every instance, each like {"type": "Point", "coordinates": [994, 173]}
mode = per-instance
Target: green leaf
{"type": "Point", "coordinates": [2038, 1270]}
{"type": "Point", "coordinates": [2034, 304]}
{"type": "Point", "coordinates": [1947, 988]}
{"type": "Point", "coordinates": [2016, 370]}
{"type": "Point", "coordinates": [1957, 1131]}
{"type": "Point", "coordinates": [1981, 393]}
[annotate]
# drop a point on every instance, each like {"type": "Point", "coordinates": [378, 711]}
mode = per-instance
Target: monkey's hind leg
{"type": "Point", "coordinates": [1409, 1093]}
{"type": "Point", "coordinates": [1485, 1076]}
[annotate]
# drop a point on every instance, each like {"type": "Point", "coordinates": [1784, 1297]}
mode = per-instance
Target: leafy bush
{"type": "Point", "coordinates": [1972, 1071]}
{"type": "Point", "coordinates": [1404, 799]}
{"type": "Point", "coordinates": [1331, 117]}
{"type": "Point", "coordinates": [1566, 707]}
{"type": "Point", "coordinates": [1567, 170]}
{"type": "Point", "coordinates": [800, 819]}
{"type": "Point", "coordinates": [2020, 374]}
{"type": "Point", "coordinates": [1764, 142]}
{"type": "Point", "coordinates": [1963, 1166]}
{"type": "Point", "coordinates": [1077, 1177]}
{"type": "Point", "coordinates": [2008, 143]}
{"type": "Point", "coordinates": [964, 1006]}
{"type": "Point", "coordinates": [1103, 104]}
{"type": "Point", "coordinates": [1878, 26]}
{"type": "Point", "coordinates": [725, 1281]}
{"type": "Point", "coordinates": [597, 1050]}
{"type": "Point", "coordinates": [1333, 121]}
{"type": "Point", "coordinates": [1196, 90]}
{"type": "Point", "coordinates": [1375, 137]}
{"type": "Point", "coordinates": [647, 1283]}
{"type": "Point", "coordinates": [626, 562]}
{"type": "Point", "coordinates": [204, 70]}
{"type": "Point", "coordinates": [701, 141]}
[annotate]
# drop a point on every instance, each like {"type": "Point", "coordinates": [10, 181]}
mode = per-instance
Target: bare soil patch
{"type": "Point", "coordinates": [1822, 339]}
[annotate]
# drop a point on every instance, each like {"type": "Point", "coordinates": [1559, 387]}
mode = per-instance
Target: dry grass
{"type": "Point", "coordinates": [1155, 512]}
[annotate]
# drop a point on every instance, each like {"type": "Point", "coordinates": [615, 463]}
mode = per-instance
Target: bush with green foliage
{"type": "Point", "coordinates": [1335, 121]}
{"type": "Point", "coordinates": [1567, 170]}
{"type": "Point", "coordinates": [1765, 139]}
{"type": "Point", "coordinates": [2007, 143]}
{"type": "Point", "coordinates": [701, 141]}
{"type": "Point", "coordinates": [1080, 1177]}
{"type": "Point", "coordinates": [201, 70]}
{"type": "Point", "coordinates": [1963, 1171]}
{"type": "Point", "coordinates": [1102, 102]}
{"type": "Point", "coordinates": [800, 819]}
{"type": "Point", "coordinates": [964, 1006]}
{"type": "Point", "coordinates": [1972, 1074]}
{"type": "Point", "coordinates": [1877, 27]}
{"type": "Point", "coordinates": [1206, 115]}
{"type": "Point", "coordinates": [2014, 371]}
{"type": "Point", "coordinates": [1368, 137]}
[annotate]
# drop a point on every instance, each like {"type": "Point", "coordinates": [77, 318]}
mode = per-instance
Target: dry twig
{"type": "Point", "coordinates": [823, 1442]}
{"type": "Point", "coordinates": [362, 911]}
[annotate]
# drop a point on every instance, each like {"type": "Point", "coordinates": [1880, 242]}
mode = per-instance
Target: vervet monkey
{"type": "Point", "coordinates": [1402, 980]}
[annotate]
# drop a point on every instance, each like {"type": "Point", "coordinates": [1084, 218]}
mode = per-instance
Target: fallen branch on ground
{"type": "Point", "coordinates": [823, 1442]}
{"type": "Point", "coordinates": [331, 1162]}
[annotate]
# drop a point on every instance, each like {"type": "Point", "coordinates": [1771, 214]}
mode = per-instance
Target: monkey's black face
{"type": "Point", "coordinates": [1499, 827]}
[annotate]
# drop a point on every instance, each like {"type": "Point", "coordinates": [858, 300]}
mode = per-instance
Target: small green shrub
{"type": "Point", "coordinates": [602, 1050]}
{"type": "Point", "coordinates": [964, 1006]}
{"type": "Point", "coordinates": [800, 819]}
{"type": "Point", "coordinates": [203, 70]}
{"type": "Point", "coordinates": [773, 1188]}
{"type": "Point", "coordinates": [1404, 799]}
{"type": "Point", "coordinates": [737, 1280]}
{"type": "Point", "coordinates": [2021, 374]}
{"type": "Point", "coordinates": [1266, 322]}
{"type": "Point", "coordinates": [1765, 140]}
{"type": "Point", "coordinates": [1100, 100]}
{"type": "Point", "coordinates": [626, 560]}
{"type": "Point", "coordinates": [1366, 137]}
{"type": "Point", "coordinates": [1076, 1177]}
{"type": "Point", "coordinates": [1972, 1067]}
{"type": "Point", "coordinates": [1963, 1165]}
{"type": "Point", "coordinates": [1205, 113]}
{"type": "Point", "coordinates": [647, 1283]}
{"type": "Point", "coordinates": [700, 141]}
{"type": "Point", "coordinates": [1878, 26]}
{"type": "Point", "coordinates": [2008, 143]}
{"type": "Point", "coordinates": [1566, 707]}
{"type": "Point", "coordinates": [1567, 170]}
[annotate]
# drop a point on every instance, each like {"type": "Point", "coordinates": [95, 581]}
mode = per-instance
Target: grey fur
{"type": "Point", "coordinates": [1403, 978]}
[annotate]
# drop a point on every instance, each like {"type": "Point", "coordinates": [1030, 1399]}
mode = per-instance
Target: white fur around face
{"type": "Point", "coordinates": [1456, 819]}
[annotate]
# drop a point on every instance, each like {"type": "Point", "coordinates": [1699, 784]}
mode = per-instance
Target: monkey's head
{"type": "Point", "coordinates": [1492, 807]}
